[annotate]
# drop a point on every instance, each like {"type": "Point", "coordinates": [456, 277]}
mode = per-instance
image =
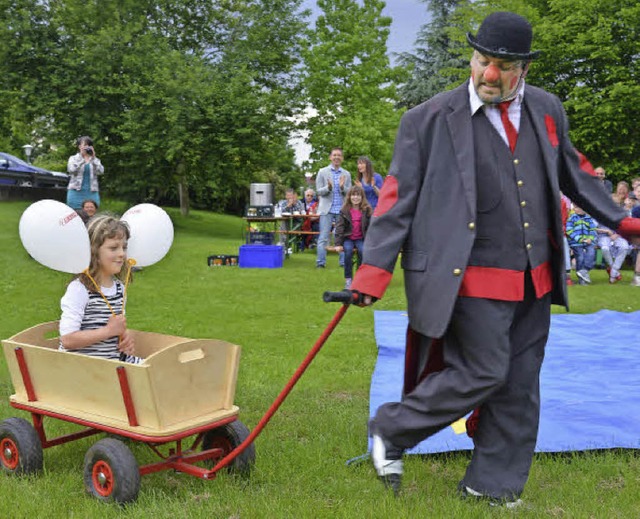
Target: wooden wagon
{"type": "Point", "coordinates": [184, 388]}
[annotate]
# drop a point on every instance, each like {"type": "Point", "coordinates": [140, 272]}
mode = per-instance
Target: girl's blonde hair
{"type": "Point", "coordinates": [101, 228]}
{"type": "Point", "coordinates": [364, 204]}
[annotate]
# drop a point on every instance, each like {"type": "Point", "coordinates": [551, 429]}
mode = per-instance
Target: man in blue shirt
{"type": "Point", "coordinates": [332, 184]}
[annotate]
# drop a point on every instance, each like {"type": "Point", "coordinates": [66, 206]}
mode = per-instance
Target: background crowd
{"type": "Point", "coordinates": [585, 236]}
{"type": "Point", "coordinates": [588, 244]}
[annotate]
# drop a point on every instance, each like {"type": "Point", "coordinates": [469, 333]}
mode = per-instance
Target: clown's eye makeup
{"type": "Point", "coordinates": [504, 66]}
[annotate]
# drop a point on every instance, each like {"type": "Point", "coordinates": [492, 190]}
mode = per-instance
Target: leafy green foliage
{"type": "Point", "coordinates": [592, 62]}
{"type": "Point", "coordinates": [349, 84]}
{"type": "Point", "coordinates": [196, 93]}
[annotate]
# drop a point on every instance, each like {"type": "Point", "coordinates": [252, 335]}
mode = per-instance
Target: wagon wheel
{"type": "Point", "coordinates": [111, 472]}
{"type": "Point", "coordinates": [20, 447]}
{"type": "Point", "coordinates": [227, 438]}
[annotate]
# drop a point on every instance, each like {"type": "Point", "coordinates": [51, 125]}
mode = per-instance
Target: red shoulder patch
{"type": "Point", "coordinates": [551, 130]}
{"type": "Point", "coordinates": [388, 196]}
{"type": "Point", "coordinates": [585, 165]}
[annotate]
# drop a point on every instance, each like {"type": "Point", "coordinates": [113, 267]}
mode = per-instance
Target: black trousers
{"type": "Point", "coordinates": [493, 352]}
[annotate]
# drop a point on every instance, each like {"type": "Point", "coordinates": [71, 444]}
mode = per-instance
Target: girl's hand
{"type": "Point", "coordinates": [338, 248]}
{"type": "Point", "coordinates": [358, 183]}
{"type": "Point", "coordinates": [127, 345]}
{"type": "Point", "coordinates": [117, 325]}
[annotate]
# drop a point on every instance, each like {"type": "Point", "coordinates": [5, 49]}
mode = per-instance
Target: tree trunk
{"type": "Point", "coordinates": [183, 190]}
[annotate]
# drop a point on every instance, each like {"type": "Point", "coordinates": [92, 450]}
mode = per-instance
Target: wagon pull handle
{"type": "Point", "coordinates": [190, 356]}
{"type": "Point", "coordinates": [283, 394]}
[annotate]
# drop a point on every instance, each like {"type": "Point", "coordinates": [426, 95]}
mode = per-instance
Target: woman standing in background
{"type": "Point", "coordinates": [369, 181]}
{"type": "Point", "coordinates": [83, 168]}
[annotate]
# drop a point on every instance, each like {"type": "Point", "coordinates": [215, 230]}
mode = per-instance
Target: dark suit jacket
{"type": "Point", "coordinates": [427, 206]}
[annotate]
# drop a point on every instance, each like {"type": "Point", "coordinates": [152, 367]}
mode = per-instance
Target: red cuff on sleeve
{"type": "Point", "coordinates": [629, 227]}
{"type": "Point", "coordinates": [372, 281]}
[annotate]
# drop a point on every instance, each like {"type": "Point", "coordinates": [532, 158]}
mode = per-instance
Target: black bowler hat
{"type": "Point", "coordinates": [504, 35]}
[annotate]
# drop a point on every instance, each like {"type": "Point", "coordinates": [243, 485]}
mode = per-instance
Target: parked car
{"type": "Point", "coordinates": [17, 172]}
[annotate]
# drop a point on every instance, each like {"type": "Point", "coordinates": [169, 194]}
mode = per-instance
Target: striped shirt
{"type": "Point", "coordinates": [85, 310]}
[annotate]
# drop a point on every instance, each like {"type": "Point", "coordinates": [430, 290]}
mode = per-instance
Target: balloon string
{"type": "Point", "coordinates": [130, 263]}
{"type": "Point", "coordinates": [106, 300]}
{"type": "Point", "coordinates": [86, 272]}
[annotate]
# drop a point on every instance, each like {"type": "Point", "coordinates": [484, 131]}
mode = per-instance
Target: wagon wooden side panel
{"type": "Point", "coordinates": [193, 379]}
{"type": "Point", "coordinates": [183, 383]}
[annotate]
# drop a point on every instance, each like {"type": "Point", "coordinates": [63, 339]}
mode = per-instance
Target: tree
{"type": "Point", "coordinates": [591, 61]}
{"type": "Point", "coordinates": [28, 53]}
{"type": "Point", "coordinates": [181, 96]}
{"type": "Point", "coordinates": [435, 58]}
{"type": "Point", "coordinates": [349, 84]}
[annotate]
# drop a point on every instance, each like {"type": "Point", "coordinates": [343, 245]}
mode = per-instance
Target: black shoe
{"type": "Point", "coordinates": [387, 459]}
{"type": "Point", "coordinates": [318, 266]}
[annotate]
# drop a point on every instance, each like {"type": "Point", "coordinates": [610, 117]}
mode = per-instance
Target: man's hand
{"type": "Point", "coordinates": [367, 300]}
{"type": "Point", "coordinates": [330, 184]}
{"type": "Point", "coordinates": [342, 181]}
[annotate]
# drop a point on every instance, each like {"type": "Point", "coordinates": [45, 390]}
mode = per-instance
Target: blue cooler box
{"type": "Point", "coordinates": [261, 256]}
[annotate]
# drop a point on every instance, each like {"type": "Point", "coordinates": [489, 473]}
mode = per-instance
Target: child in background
{"type": "Point", "coordinates": [614, 251]}
{"type": "Point", "coordinates": [351, 229]}
{"type": "Point", "coordinates": [565, 209]}
{"type": "Point", "coordinates": [92, 321]}
{"type": "Point", "coordinates": [582, 236]}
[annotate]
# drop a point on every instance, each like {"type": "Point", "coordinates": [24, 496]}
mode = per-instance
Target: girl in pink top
{"type": "Point", "coordinates": [351, 229]}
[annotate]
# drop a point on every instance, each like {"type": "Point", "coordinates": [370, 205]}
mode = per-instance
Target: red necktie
{"type": "Point", "coordinates": [509, 128]}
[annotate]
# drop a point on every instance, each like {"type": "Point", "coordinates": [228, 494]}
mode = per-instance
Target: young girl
{"type": "Point", "coordinates": [92, 321]}
{"type": "Point", "coordinates": [351, 228]}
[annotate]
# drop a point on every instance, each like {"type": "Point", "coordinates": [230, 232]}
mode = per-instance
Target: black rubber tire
{"type": "Point", "coordinates": [20, 447]}
{"type": "Point", "coordinates": [228, 437]}
{"type": "Point", "coordinates": [111, 472]}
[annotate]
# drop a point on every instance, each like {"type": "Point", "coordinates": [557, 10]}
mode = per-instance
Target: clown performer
{"type": "Point", "coordinates": [480, 275]}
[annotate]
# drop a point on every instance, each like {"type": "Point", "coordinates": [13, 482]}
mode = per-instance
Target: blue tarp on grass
{"type": "Point", "coordinates": [590, 382]}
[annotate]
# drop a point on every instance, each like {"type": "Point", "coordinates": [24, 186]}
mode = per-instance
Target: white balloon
{"type": "Point", "coordinates": [55, 236]}
{"type": "Point", "coordinates": [151, 233]}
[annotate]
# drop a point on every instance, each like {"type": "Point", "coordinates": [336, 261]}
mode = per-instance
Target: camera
{"type": "Point", "coordinates": [89, 150]}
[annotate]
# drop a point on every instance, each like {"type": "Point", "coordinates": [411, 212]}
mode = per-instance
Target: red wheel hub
{"type": "Point", "coordinates": [9, 454]}
{"type": "Point", "coordinates": [102, 477]}
{"type": "Point", "coordinates": [220, 442]}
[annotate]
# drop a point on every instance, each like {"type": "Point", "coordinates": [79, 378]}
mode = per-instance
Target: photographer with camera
{"type": "Point", "coordinates": [83, 168]}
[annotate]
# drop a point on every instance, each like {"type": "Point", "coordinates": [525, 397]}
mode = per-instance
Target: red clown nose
{"type": "Point", "coordinates": [492, 73]}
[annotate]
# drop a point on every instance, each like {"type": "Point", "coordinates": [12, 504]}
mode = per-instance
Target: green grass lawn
{"type": "Point", "coordinates": [276, 315]}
